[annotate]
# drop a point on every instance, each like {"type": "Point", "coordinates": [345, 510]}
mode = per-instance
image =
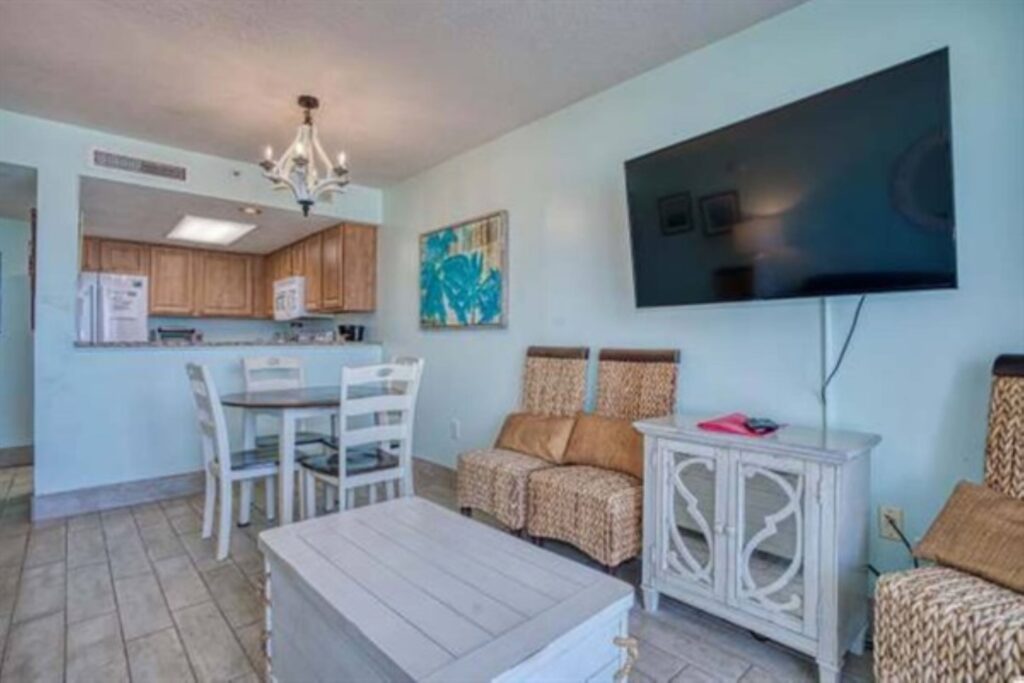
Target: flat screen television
{"type": "Point", "coordinates": [848, 191]}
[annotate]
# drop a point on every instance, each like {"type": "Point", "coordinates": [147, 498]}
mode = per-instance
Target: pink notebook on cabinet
{"type": "Point", "coordinates": [733, 423]}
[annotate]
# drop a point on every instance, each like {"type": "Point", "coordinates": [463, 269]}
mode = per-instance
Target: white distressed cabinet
{"type": "Point", "coordinates": [770, 533]}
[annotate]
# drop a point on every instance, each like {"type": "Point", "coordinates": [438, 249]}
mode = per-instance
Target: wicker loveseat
{"type": "Point", "coordinates": [494, 480]}
{"type": "Point", "coordinates": [598, 510]}
{"type": "Point", "coordinates": [940, 624]}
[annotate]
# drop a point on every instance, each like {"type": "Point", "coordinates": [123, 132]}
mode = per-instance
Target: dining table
{"type": "Point", "coordinates": [289, 406]}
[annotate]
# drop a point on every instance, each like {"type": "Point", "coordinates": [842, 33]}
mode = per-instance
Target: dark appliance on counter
{"type": "Point", "coordinates": [176, 335]}
{"type": "Point", "coordinates": [353, 333]}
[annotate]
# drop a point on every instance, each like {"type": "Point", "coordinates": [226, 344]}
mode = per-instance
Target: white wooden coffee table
{"type": "Point", "coordinates": [409, 591]}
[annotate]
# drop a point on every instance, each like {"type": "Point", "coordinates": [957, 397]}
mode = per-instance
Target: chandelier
{"type": "Point", "coordinates": [304, 167]}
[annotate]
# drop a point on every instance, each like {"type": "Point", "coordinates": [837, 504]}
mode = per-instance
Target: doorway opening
{"type": "Point", "coordinates": [17, 307]}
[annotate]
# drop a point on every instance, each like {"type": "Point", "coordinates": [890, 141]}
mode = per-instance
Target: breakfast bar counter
{"type": "Point", "coordinates": [130, 422]}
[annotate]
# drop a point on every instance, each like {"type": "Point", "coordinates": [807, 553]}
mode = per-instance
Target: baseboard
{"type": "Point", "coordinates": [17, 456]}
{"type": "Point", "coordinates": [80, 501]}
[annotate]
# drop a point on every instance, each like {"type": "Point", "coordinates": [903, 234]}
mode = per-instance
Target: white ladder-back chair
{"type": "Point", "coordinates": [222, 467]}
{"type": "Point", "coordinates": [375, 429]}
{"type": "Point", "coordinates": [272, 373]}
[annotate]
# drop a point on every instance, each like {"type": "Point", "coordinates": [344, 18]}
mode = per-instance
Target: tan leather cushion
{"type": "Point", "coordinates": [979, 531]}
{"type": "Point", "coordinates": [608, 442]}
{"type": "Point", "coordinates": [539, 435]}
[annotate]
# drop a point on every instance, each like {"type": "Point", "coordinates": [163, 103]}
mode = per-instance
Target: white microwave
{"type": "Point", "coordinates": [290, 298]}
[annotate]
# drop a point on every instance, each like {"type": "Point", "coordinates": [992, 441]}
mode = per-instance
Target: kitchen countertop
{"type": "Point", "coordinates": [213, 344]}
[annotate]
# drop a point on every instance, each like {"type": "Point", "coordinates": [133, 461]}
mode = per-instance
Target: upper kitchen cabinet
{"type": "Point", "coordinates": [172, 289]}
{"type": "Point", "coordinates": [359, 267]}
{"type": "Point", "coordinates": [225, 284]}
{"type": "Point", "coordinates": [349, 269]}
{"type": "Point", "coordinates": [311, 249]}
{"type": "Point", "coordinates": [279, 264]}
{"type": "Point", "coordinates": [90, 255]}
{"type": "Point", "coordinates": [262, 288]}
{"type": "Point", "coordinates": [128, 258]}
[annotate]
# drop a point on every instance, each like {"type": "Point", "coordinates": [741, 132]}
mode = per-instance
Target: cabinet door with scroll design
{"type": "Point", "coordinates": [774, 540]}
{"type": "Point", "coordinates": [693, 487]}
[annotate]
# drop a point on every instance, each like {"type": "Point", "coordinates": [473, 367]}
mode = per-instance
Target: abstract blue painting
{"type": "Point", "coordinates": [464, 274]}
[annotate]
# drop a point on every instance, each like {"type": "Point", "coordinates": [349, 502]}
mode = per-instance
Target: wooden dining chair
{"type": "Point", "coordinates": [277, 373]}
{"type": "Point", "coordinates": [375, 429]}
{"type": "Point", "coordinates": [222, 467]}
{"type": "Point", "coordinates": [274, 373]}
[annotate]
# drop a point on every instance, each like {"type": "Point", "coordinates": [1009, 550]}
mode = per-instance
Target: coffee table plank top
{"type": "Point", "coordinates": [441, 596]}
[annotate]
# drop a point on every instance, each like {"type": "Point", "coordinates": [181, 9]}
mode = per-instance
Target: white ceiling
{"type": "Point", "coordinates": [404, 84]}
{"type": "Point", "coordinates": [132, 212]}
{"type": "Point", "coordinates": [17, 191]}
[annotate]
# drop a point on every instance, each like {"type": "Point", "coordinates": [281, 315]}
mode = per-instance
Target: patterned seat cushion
{"type": "Point", "coordinates": [598, 511]}
{"type": "Point", "coordinates": [939, 624]}
{"type": "Point", "coordinates": [494, 480]}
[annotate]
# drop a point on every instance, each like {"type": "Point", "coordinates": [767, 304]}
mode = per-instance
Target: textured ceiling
{"type": "Point", "coordinates": [132, 212]}
{"type": "Point", "coordinates": [405, 84]}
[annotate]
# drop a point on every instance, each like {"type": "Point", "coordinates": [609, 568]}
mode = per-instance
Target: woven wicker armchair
{"type": "Point", "coordinates": [940, 624]}
{"type": "Point", "coordinates": [600, 511]}
{"type": "Point", "coordinates": [494, 480]}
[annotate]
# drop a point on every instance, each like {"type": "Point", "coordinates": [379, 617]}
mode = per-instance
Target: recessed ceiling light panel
{"type": "Point", "coordinates": [209, 231]}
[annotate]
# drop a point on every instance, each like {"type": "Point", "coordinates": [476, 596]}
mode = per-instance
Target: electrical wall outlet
{"type": "Point", "coordinates": [885, 529]}
{"type": "Point", "coordinates": [455, 429]}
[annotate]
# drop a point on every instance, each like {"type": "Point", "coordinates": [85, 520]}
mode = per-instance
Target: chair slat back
{"type": "Point", "coordinates": [213, 431]}
{"type": "Point", "coordinates": [1004, 448]}
{"type": "Point", "coordinates": [555, 380]}
{"type": "Point", "coordinates": [637, 383]}
{"type": "Point", "coordinates": [384, 396]}
{"type": "Point", "coordinates": [273, 373]}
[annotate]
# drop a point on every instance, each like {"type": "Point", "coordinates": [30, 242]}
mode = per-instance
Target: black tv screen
{"type": "Point", "coordinates": [848, 191]}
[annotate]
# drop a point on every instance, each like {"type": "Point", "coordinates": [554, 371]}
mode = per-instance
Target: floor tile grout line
{"type": "Point", "coordinates": [67, 626]}
{"type": "Point", "coordinates": [163, 595]}
{"type": "Point", "coordinates": [206, 584]}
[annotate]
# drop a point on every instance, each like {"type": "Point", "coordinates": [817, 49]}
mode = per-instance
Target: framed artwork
{"type": "Point", "coordinates": [464, 274]}
{"type": "Point", "coordinates": [675, 213]}
{"type": "Point", "coordinates": [720, 212]}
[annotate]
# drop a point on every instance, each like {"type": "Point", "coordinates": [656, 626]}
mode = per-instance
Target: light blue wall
{"type": "Point", "coordinates": [917, 372]}
{"type": "Point", "coordinates": [79, 440]}
{"type": "Point", "coordinates": [15, 336]}
{"type": "Point", "coordinates": [134, 417]}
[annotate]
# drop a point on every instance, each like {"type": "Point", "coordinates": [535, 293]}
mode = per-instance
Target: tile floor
{"type": "Point", "coordinates": [136, 594]}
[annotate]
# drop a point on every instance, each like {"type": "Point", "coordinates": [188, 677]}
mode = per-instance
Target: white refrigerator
{"type": "Point", "coordinates": [112, 308]}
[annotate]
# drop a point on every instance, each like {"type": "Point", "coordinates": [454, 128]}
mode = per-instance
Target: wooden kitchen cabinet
{"type": "Point", "coordinates": [90, 262]}
{"type": "Point", "coordinates": [359, 268]}
{"type": "Point", "coordinates": [339, 264]}
{"type": "Point", "coordinates": [330, 277]}
{"type": "Point", "coordinates": [172, 289]}
{"type": "Point", "coordinates": [312, 262]}
{"type": "Point", "coordinates": [225, 284]}
{"type": "Point", "coordinates": [349, 268]}
{"type": "Point", "coordinates": [279, 264]}
{"type": "Point", "coordinates": [298, 259]}
{"type": "Point", "coordinates": [127, 258]}
{"type": "Point", "coordinates": [262, 288]}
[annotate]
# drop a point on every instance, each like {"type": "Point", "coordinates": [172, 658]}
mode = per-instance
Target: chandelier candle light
{"type": "Point", "coordinates": [304, 167]}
